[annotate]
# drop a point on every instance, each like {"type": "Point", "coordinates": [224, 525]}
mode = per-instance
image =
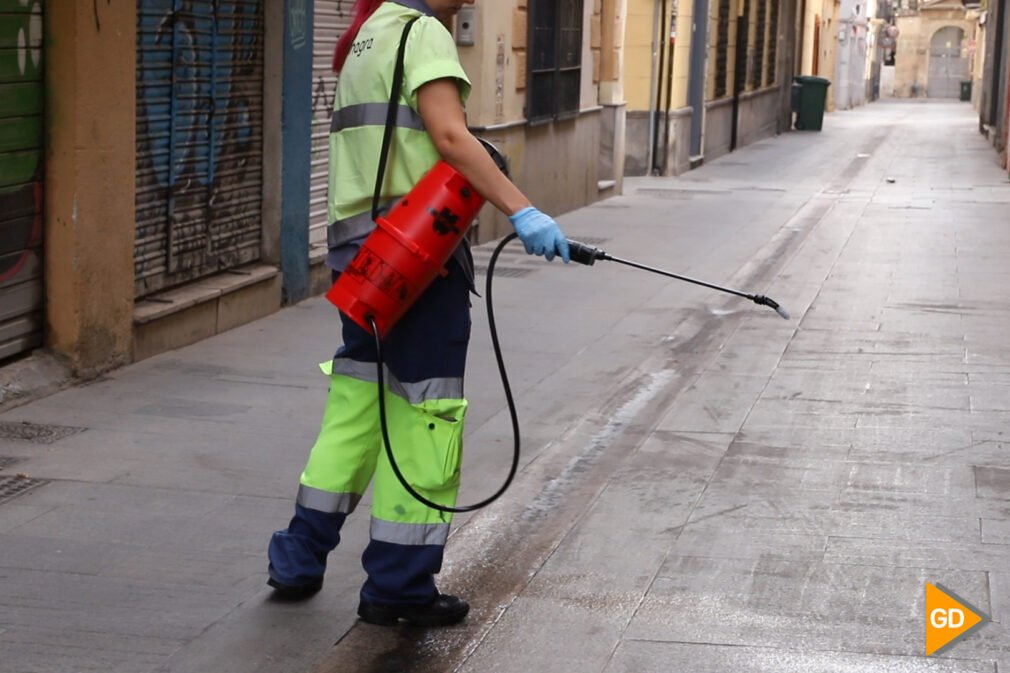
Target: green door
{"type": "Point", "coordinates": [21, 173]}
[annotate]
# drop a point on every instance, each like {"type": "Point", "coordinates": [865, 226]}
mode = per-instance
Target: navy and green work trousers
{"type": "Point", "coordinates": [425, 355]}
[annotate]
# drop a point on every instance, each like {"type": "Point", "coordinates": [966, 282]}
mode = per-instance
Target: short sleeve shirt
{"type": "Point", "coordinates": [364, 88]}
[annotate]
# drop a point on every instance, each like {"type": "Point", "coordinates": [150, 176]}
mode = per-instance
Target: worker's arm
{"type": "Point", "coordinates": [441, 110]}
{"type": "Point", "coordinates": [442, 113]}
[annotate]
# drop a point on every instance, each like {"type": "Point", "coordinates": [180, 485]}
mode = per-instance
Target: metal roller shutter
{"type": "Point", "coordinates": [199, 139]}
{"type": "Point", "coordinates": [22, 99]}
{"type": "Point", "coordinates": [331, 20]}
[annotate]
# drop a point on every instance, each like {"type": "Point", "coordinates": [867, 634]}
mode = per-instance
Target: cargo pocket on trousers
{"type": "Point", "coordinates": [436, 446]}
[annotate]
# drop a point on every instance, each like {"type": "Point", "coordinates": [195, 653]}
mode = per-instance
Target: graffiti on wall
{"type": "Point", "coordinates": [21, 138]}
{"type": "Point", "coordinates": [330, 26]}
{"type": "Point", "coordinates": [199, 137]}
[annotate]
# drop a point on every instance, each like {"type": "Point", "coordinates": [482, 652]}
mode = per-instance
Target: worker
{"type": "Point", "coordinates": [426, 351]}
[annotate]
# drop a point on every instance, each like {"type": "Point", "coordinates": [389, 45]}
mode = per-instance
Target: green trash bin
{"type": "Point", "coordinates": [966, 90]}
{"type": "Point", "coordinates": [813, 96]}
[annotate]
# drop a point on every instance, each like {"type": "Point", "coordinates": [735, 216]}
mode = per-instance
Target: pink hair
{"type": "Point", "coordinates": [362, 10]}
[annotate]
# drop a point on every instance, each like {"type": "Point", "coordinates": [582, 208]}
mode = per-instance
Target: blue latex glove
{"type": "Point", "coordinates": [540, 234]}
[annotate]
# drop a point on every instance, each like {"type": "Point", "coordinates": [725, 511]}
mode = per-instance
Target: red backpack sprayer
{"type": "Point", "coordinates": [409, 248]}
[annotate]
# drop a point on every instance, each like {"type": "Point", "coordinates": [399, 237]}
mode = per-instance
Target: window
{"type": "Point", "coordinates": [555, 59]}
{"type": "Point", "coordinates": [757, 72]}
{"type": "Point", "coordinates": [773, 43]}
{"type": "Point", "coordinates": [722, 48]}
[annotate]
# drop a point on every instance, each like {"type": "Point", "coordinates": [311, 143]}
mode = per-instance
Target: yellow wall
{"type": "Point", "coordinates": [825, 10]}
{"type": "Point", "coordinates": [540, 157]}
{"type": "Point", "coordinates": [90, 175]}
{"type": "Point", "coordinates": [638, 54]}
{"type": "Point", "coordinates": [735, 7]}
{"type": "Point", "coordinates": [811, 11]}
{"type": "Point", "coordinates": [978, 65]}
{"type": "Point", "coordinates": [614, 20]}
{"type": "Point", "coordinates": [499, 85]}
{"type": "Point", "coordinates": [640, 60]}
{"type": "Point", "coordinates": [828, 11]}
{"type": "Point", "coordinates": [496, 63]}
{"type": "Point", "coordinates": [751, 43]}
{"type": "Point", "coordinates": [682, 53]}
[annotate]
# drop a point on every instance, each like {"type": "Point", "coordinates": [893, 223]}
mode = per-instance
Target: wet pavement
{"type": "Point", "coordinates": [704, 486]}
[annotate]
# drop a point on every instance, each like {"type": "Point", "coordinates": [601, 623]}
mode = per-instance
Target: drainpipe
{"type": "Point", "coordinates": [696, 84]}
{"type": "Point", "coordinates": [739, 70]}
{"type": "Point", "coordinates": [653, 103]}
{"type": "Point", "coordinates": [659, 158]}
{"type": "Point", "coordinates": [669, 44]}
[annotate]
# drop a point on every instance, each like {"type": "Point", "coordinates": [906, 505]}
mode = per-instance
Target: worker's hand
{"type": "Point", "coordinates": [540, 234]}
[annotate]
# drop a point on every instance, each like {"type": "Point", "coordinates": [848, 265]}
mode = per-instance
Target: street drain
{"type": "Point", "coordinates": [11, 487]}
{"type": "Point", "coordinates": [35, 433]}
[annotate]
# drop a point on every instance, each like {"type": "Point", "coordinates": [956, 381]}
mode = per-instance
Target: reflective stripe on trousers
{"type": "Point", "coordinates": [426, 438]}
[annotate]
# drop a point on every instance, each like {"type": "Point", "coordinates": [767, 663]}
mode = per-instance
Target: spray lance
{"type": "Point", "coordinates": [588, 255]}
{"type": "Point", "coordinates": [409, 248]}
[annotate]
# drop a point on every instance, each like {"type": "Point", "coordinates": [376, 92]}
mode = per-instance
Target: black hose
{"type": "Point", "coordinates": [380, 366]}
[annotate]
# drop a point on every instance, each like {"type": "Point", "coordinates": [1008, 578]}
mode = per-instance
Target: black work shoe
{"type": "Point", "coordinates": [287, 592]}
{"type": "Point", "coordinates": [443, 611]}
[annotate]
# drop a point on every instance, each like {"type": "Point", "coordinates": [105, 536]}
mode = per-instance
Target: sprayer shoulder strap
{"type": "Point", "coordinates": [394, 101]}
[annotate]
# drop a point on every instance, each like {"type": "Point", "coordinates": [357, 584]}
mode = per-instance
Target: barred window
{"type": "Point", "coordinates": [555, 59]}
{"type": "Point", "coordinates": [757, 71]}
{"type": "Point", "coordinates": [722, 49]}
{"type": "Point", "coordinates": [773, 42]}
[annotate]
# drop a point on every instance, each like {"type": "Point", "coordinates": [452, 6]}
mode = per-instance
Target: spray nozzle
{"type": "Point", "coordinates": [762, 300]}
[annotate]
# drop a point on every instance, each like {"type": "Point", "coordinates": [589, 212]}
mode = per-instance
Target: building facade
{"type": "Point", "coordinates": [819, 42]}
{"type": "Point", "coordinates": [182, 192]}
{"type": "Point", "coordinates": [853, 35]}
{"type": "Point", "coordinates": [934, 50]}
{"type": "Point", "coordinates": [994, 86]}
{"type": "Point", "coordinates": [704, 77]}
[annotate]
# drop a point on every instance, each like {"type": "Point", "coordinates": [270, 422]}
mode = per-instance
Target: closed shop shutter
{"type": "Point", "coordinates": [199, 139]}
{"type": "Point", "coordinates": [21, 171]}
{"type": "Point", "coordinates": [331, 20]}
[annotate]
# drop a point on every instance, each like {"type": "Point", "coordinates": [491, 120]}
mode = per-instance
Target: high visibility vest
{"type": "Point", "coordinates": [359, 114]}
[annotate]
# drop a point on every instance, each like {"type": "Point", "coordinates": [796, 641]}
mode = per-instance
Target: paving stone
{"type": "Point", "coordinates": [933, 555]}
{"type": "Point", "coordinates": [634, 656]}
{"type": "Point", "coordinates": [571, 636]}
{"type": "Point", "coordinates": [807, 606]}
{"type": "Point", "coordinates": [716, 403]}
{"type": "Point", "coordinates": [938, 490]}
{"type": "Point", "coordinates": [910, 443]}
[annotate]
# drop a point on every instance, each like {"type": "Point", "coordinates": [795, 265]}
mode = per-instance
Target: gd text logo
{"type": "Point", "coordinates": [949, 618]}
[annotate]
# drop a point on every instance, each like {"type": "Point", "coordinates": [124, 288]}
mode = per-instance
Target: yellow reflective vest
{"type": "Point", "coordinates": [359, 115]}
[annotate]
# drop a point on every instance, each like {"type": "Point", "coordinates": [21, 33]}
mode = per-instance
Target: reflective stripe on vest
{"type": "Point", "coordinates": [414, 393]}
{"type": "Point", "coordinates": [374, 114]}
{"type": "Point", "coordinates": [414, 534]}
{"type": "Point", "coordinates": [324, 501]}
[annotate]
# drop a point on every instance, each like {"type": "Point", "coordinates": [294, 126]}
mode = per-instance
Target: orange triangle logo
{"type": "Point", "coordinates": [949, 618]}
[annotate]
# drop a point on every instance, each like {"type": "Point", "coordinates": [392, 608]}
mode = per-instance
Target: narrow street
{"type": "Point", "coordinates": [704, 486]}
